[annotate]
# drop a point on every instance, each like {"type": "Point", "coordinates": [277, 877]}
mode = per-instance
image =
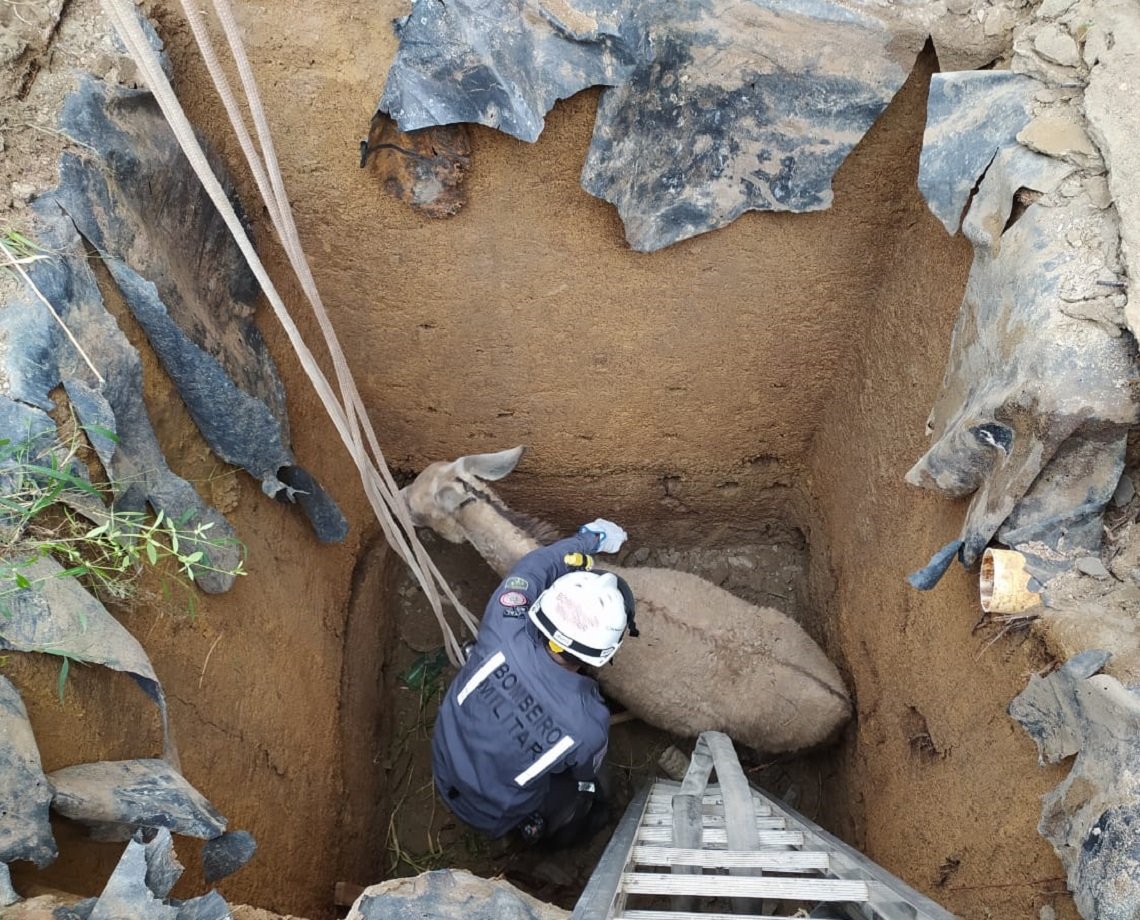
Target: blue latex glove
{"type": "Point", "coordinates": [610, 536]}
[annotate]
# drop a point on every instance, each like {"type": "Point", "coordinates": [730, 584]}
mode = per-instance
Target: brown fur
{"type": "Point", "coordinates": [705, 660]}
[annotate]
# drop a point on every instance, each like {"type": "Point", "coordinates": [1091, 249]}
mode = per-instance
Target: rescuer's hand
{"type": "Point", "coordinates": [610, 535]}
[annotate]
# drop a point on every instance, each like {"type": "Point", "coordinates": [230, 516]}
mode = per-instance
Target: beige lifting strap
{"type": "Point", "coordinates": [349, 417]}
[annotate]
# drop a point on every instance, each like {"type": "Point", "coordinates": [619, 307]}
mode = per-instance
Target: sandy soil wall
{"type": "Point", "coordinates": [776, 371]}
{"type": "Point", "coordinates": [934, 781]}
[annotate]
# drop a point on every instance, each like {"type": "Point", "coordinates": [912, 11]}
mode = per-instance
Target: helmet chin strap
{"type": "Point", "coordinates": [558, 653]}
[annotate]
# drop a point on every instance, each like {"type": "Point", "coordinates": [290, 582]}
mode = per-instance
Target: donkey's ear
{"type": "Point", "coordinates": [490, 466]}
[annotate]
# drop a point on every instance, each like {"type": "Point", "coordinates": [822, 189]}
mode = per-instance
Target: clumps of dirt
{"type": "Point", "coordinates": [26, 29]}
{"type": "Point", "coordinates": [44, 46]}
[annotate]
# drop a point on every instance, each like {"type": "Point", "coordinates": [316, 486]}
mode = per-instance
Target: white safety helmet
{"type": "Point", "coordinates": [585, 614]}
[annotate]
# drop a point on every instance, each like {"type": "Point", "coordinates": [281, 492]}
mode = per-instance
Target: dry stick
{"type": "Point", "coordinates": [1039, 881]}
{"type": "Point", "coordinates": [206, 662]}
{"type": "Point", "coordinates": [15, 263]}
{"type": "Point", "coordinates": [56, 132]}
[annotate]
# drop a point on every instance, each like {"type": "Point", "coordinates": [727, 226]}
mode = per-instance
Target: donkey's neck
{"type": "Point", "coordinates": [498, 540]}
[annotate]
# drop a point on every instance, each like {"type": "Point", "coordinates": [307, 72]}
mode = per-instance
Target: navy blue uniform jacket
{"type": "Point", "coordinates": [513, 717]}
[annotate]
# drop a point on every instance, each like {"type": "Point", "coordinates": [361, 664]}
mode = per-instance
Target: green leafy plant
{"type": "Point", "coordinates": [48, 507]}
{"type": "Point", "coordinates": [19, 248]}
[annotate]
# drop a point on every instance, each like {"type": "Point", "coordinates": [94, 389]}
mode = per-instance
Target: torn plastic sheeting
{"type": "Point", "coordinates": [25, 794]}
{"type": "Point", "coordinates": [137, 200]}
{"type": "Point", "coordinates": [56, 616]}
{"type": "Point", "coordinates": [141, 883]}
{"type": "Point", "coordinates": [1064, 508]}
{"type": "Point", "coordinates": [28, 336]}
{"type": "Point", "coordinates": [730, 107]}
{"type": "Point", "coordinates": [147, 793]}
{"type": "Point", "coordinates": [226, 853]}
{"type": "Point", "coordinates": [504, 64]}
{"type": "Point", "coordinates": [20, 424]}
{"type": "Point", "coordinates": [239, 427]}
{"type": "Point", "coordinates": [930, 574]}
{"type": "Point", "coordinates": [89, 403]}
{"type": "Point", "coordinates": [744, 107]}
{"type": "Point", "coordinates": [137, 469]}
{"type": "Point", "coordinates": [1092, 818]}
{"type": "Point", "coordinates": [971, 115]}
{"type": "Point", "coordinates": [1012, 169]}
{"type": "Point", "coordinates": [8, 894]}
{"type": "Point", "coordinates": [1024, 376]}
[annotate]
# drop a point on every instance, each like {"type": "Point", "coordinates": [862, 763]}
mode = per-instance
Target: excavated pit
{"type": "Point", "coordinates": [766, 565]}
{"type": "Point", "coordinates": [745, 403]}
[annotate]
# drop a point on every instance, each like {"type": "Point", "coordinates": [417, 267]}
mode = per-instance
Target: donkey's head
{"type": "Point", "coordinates": [438, 493]}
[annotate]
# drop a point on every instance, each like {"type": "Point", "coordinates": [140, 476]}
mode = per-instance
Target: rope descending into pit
{"type": "Point", "coordinates": [349, 416]}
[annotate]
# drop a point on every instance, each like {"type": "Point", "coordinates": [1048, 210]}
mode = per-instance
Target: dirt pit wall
{"type": "Point", "coordinates": [772, 378]}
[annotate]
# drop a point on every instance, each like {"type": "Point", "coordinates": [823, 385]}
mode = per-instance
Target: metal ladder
{"type": "Point", "coordinates": [727, 850]}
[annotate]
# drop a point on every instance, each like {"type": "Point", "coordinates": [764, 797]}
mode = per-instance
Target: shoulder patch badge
{"type": "Point", "coordinates": [513, 599]}
{"type": "Point", "coordinates": [519, 584]}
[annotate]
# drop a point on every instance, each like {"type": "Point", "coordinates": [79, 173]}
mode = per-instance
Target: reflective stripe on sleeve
{"type": "Point", "coordinates": [479, 676]}
{"type": "Point", "coordinates": [545, 761]}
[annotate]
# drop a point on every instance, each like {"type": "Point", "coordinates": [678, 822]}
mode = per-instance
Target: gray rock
{"type": "Point", "coordinates": [1096, 46]}
{"type": "Point", "coordinates": [970, 116]}
{"type": "Point", "coordinates": [1058, 135]}
{"type": "Point", "coordinates": [743, 107]}
{"type": "Point", "coordinates": [450, 894]}
{"type": "Point", "coordinates": [1092, 818]}
{"type": "Point", "coordinates": [25, 794]}
{"type": "Point", "coordinates": [1097, 189]}
{"type": "Point", "coordinates": [1055, 44]}
{"type": "Point", "coordinates": [961, 41]}
{"type": "Point", "coordinates": [1051, 9]}
{"type": "Point", "coordinates": [1028, 62]}
{"type": "Point", "coordinates": [1113, 125]}
{"type": "Point", "coordinates": [504, 65]}
{"type": "Point", "coordinates": [1124, 492]}
{"type": "Point", "coordinates": [998, 20]}
{"type": "Point", "coordinates": [717, 108]}
{"type": "Point", "coordinates": [1091, 565]}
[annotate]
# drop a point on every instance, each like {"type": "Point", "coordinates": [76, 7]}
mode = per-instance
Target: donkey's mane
{"type": "Point", "coordinates": [536, 528]}
{"type": "Point", "coordinates": [543, 531]}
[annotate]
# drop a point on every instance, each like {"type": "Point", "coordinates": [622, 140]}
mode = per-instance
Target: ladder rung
{"type": "Point", "coordinates": [715, 836]}
{"type": "Point", "coordinates": [666, 798]}
{"type": "Point", "coordinates": [734, 886]}
{"type": "Point", "coordinates": [778, 860]}
{"type": "Point", "coordinates": [764, 823]}
{"type": "Point", "coordinates": [676, 915]}
{"type": "Point", "coordinates": [665, 806]}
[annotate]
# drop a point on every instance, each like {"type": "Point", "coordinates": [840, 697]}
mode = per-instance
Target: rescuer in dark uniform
{"type": "Point", "coordinates": [522, 732]}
